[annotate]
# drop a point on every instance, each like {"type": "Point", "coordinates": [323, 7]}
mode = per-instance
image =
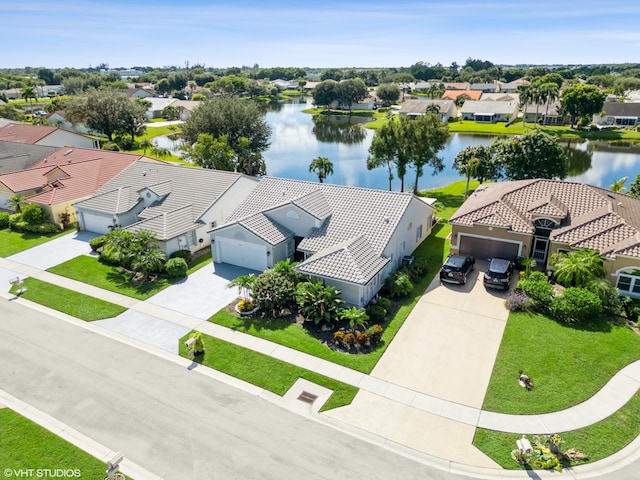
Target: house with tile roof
{"type": "Point", "coordinates": [413, 108]}
{"type": "Point", "coordinates": [536, 218]}
{"type": "Point", "coordinates": [178, 204]}
{"type": "Point", "coordinates": [45, 135]}
{"type": "Point", "coordinates": [459, 96]}
{"type": "Point", "coordinates": [64, 177]}
{"type": "Point", "coordinates": [348, 237]}
{"type": "Point", "coordinates": [620, 114]}
{"type": "Point", "coordinates": [19, 156]}
{"type": "Point", "coordinates": [551, 115]}
{"type": "Point", "coordinates": [490, 111]}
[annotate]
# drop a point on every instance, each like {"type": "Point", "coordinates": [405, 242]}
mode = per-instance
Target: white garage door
{"type": "Point", "coordinates": [96, 223]}
{"type": "Point", "coordinates": [243, 254]}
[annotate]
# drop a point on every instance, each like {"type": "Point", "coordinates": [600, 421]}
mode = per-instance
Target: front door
{"type": "Point", "coordinates": [540, 246]}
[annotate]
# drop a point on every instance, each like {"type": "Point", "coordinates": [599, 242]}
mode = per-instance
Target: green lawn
{"type": "Point", "coordinates": [26, 445]}
{"type": "Point", "coordinates": [13, 242]}
{"type": "Point", "coordinates": [434, 250]}
{"type": "Point", "coordinates": [68, 301]}
{"type": "Point", "coordinates": [567, 363]}
{"type": "Point", "coordinates": [264, 371]}
{"type": "Point", "coordinates": [89, 270]}
{"type": "Point", "coordinates": [599, 440]}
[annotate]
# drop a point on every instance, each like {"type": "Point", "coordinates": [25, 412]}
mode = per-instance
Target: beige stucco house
{"type": "Point", "coordinates": [536, 218]}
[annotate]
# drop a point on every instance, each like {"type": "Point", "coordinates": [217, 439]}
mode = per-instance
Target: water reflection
{"type": "Point", "coordinates": [342, 129]}
{"type": "Point", "coordinates": [578, 158]}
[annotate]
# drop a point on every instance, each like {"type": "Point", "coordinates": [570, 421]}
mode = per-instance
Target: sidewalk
{"type": "Point", "coordinates": [609, 399]}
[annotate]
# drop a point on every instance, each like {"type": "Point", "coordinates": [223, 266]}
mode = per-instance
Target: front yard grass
{"type": "Point", "coordinates": [90, 270]}
{"type": "Point", "coordinates": [567, 363]}
{"type": "Point", "coordinates": [264, 371]}
{"type": "Point", "coordinates": [26, 445]}
{"type": "Point", "coordinates": [14, 242]}
{"type": "Point", "coordinates": [68, 301]}
{"type": "Point", "coordinates": [599, 440]}
{"type": "Point", "coordinates": [434, 249]}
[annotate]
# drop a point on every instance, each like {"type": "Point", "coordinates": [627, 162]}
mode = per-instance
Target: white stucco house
{"type": "Point", "coordinates": [350, 238]}
{"type": "Point", "coordinates": [178, 204]}
{"type": "Point", "coordinates": [46, 135]}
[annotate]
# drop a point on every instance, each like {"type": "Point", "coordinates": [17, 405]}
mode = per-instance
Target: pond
{"type": "Point", "coordinates": [297, 138]}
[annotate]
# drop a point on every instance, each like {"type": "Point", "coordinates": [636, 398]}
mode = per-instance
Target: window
{"type": "Point", "coordinates": [418, 233]}
{"type": "Point", "coordinates": [545, 224]}
{"type": "Point", "coordinates": [629, 283]}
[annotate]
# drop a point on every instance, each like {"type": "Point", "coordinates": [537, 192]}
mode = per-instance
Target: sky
{"type": "Point", "coordinates": [316, 34]}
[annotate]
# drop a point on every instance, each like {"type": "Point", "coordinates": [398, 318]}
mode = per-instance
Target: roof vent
{"type": "Point", "coordinates": [68, 152]}
{"type": "Point", "coordinates": [386, 219]}
{"type": "Point", "coordinates": [144, 173]}
{"type": "Point", "coordinates": [619, 204]}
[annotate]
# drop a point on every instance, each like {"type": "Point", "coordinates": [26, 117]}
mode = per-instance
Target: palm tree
{"type": "Point", "coordinates": [29, 93]}
{"type": "Point", "coordinates": [145, 144]}
{"type": "Point", "coordinates": [536, 96]}
{"type": "Point", "coordinates": [433, 108]}
{"type": "Point", "coordinates": [470, 170]}
{"type": "Point", "coordinates": [148, 261]}
{"type": "Point", "coordinates": [244, 283]}
{"type": "Point", "coordinates": [357, 318]}
{"type": "Point", "coordinates": [550, 92]}
{"type": "Point", "coordinates": [577, 268]}
{"type": "Point", "coordinates": [160, 152]}
{"type": "Point", "coordinates": [619, 185]}
{"type": "Point", "coordinates": [525, 95]}
{"type": "Point", "coordinates": [16, 203]}
{"type": "Point", "coordinates": [322, 166]}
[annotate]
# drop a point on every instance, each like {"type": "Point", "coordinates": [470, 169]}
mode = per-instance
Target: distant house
{"type": "Point", "coordinates": [491, 87]}
{"type": "Point", "coordinates": [64, 177]}
{"type": "Point", "coordinates": [619, 114]}
{"type": "Point", "coordinates": [347, 237]}
{"type": "Point", "coordinates": [550, 116]}
{"type": "Point", "coordinates": [20, 156]}
{"type": "Point", "coordinates": [489, 112]}
{"type": "Point", "coordinates": [459, 96]}
{"type": "Point", "coordinates": [57, 119]}
{"type": "Point", "coordinates": [46, 135]}
{"type": "Point", "coordinates": [446, 108]}
{"type": "Point", "coordinates": [512, 87]}
{"type": "Point", "coordinates": [138, 93]}
{"type": "Point", "coordinates": [158, 104]}
{"type": "Point", "coordinates": [186, 107]}
{"type": "Point", "coordinates": [540, 217]}
{"type": "Point", "coordinates": [500, 97]}
{"type": "Point", "coordinates": [368, 103]}
{"type": "Point", "coordinates": [12, 93]}
{"type": "Point", "coordinates": [457, 85]}
{"type": "Point", "coordinates": [178, 204]}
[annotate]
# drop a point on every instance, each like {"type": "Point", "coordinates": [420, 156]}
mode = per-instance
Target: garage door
{"type": "Point", "coordinates": [96, 223]}
{"type": "Point", "coordinates": [243, 254]}
{"type": "Point", "coordinates": [488, 247]}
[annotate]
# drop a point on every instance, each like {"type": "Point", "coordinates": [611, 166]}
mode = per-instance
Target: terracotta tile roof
{"type": "Point", "coordinates": [455, 94]}
{"type": "Point", "coordinates": [592, 217]}
{"type": "Point", "coordinates": [25, 133]}
{"type": "Point", "coordinates": [68, 174]}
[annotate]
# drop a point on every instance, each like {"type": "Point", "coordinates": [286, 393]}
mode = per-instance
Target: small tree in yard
{"type": "Point", "coordinates": [272, 292]}
{"type": "Point", "coordinates": [357, 318]}
{"type": "Point", "coordinates": [577, 268]}
{"type": "Point", "coordinates": [244, 283]}
{"type": "Point", "coordinates": [317, 302]}
{"type": "Point", "coordinates": [33, 214]}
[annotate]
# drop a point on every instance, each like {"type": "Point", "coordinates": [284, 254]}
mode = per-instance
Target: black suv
{"type": "Point", "coordinates": [498, 275]}
{"type": "Point", "coordinates": [456, 269]}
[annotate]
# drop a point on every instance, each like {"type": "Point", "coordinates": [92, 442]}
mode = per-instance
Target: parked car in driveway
{"type": "Point", "coordinates": [498, 275]}
{"type": "Point", "coordinates": [456, 269]}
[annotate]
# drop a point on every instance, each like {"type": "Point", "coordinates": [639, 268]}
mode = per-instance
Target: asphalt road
{"type": "Point", "coordinates": [174, 422]}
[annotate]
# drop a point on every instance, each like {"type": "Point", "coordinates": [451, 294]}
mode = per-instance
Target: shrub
{"type": "Point", "coordinates": [317, 302]}
{"type": "Point", "coordinates": [4, 219]}
{"type": "Point", "coordinates": [362, 339]}
{"type": "Point", "coordinates": [338, 337]}
{"type": "Point", "coordinates": [176, 267]}
{"type": "Point", "coordinates": [109, 256]}
{"type": "Point", "coordinates": [245, 305]}
{"type": "Point", "coordinates": [518, 302]}
{"type": "Point", "coordinates": [97, 243]}
{"type": "Point", "coordinates": [272, 292]}
{"type": "Point", "coordinates": [631, 308]}
{"type": "Point", "coordinates": [576, 305]}
{"type": "Point", "coordinates": [374, 332]}
{"type": "Point", "coordinates": [47, 228]}
{"type": "Point", "coordinates": [111, 146]}
{"type": "Point", "coordinates": [20, 226]}
{"type": "Point", "coordinates": [349, 339]}
{"type": "Point", "coordinates": [417, 269]}
{"type": "Point", "coordinates": [537, 289]}
{"type": "Point", "coordinates": [33, 214]}
{"type": "Point", "coordinates": [398, 284]}
{"type": "Point", "coordinates": [376, 313]}
{"type": "Point", "coordinates": [184, 254]}
{"type": "Point", "coordinates": [14, 217]}
{"type": "Point", "coordinates": [384, 303]}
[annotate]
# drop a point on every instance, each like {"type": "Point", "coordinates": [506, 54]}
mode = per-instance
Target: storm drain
{"type": "Point", "coordinates": [307, 397]}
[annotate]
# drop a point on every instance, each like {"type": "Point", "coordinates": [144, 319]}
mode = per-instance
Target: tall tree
{"type": "Point", "coordinates": [29, 93]}
{"type": "Point", "coordinates": [389, 93]}
{"type": "Point", "coordinates": [321, 166]}
{"type": "Point", "coordinates": [426, 136]}
{"type": "Point", "coordinates": [526, 96]}
{"type": "Point", "coordinates": [388, 150]}
{"type": "Point", "coordinates": [325, 93]}
{"type": "Point", "coordinates": [549, 92]}
{"type": "Point", "coordinates": [531, 155]}
{"type": "Point", "coordinates": [634, 188]}
{"type": "Point", "coordinates": [210, 152]}
{"type": "Point", "coordinates": [240, 121]}
{"type": "Point", "coordinates": [351, 92]}
{"type": "Point", "coordinates": [582, 101]}
{"type": "Point", "coordinates": [476, 162]}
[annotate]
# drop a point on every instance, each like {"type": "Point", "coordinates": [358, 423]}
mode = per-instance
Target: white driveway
{"type": "Point", "coordinates": [203, 293]}
{"type": "Point", "coordinates": [56, 251]}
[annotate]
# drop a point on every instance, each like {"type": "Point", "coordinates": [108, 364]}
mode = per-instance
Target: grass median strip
{"type": "Point", "coordinates": [599, 440]}
{"type": "Point", "coordinates": [264, 371]}
{"type": "Point", "coordinates": [68, 301]}
{"type": "Point", "coordinates": [91, 271]}
{"type": "Point", "coordinates": [26, 445]}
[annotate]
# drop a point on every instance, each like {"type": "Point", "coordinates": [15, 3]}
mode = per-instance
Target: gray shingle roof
{"type": "Point", "coordinates": [177, 185]}
{"type": "Point", "coordinates": [353, 261]}
{"type": "Point", "coordinates": [16, 156]}
{"type": "Point", "coordinates": [622, 109]}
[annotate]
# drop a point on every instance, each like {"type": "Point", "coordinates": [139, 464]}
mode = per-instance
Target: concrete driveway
{"type": "Point", "coordinates": [56, 251]}
{"type": "Point", "coordinates": [446, 348]}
